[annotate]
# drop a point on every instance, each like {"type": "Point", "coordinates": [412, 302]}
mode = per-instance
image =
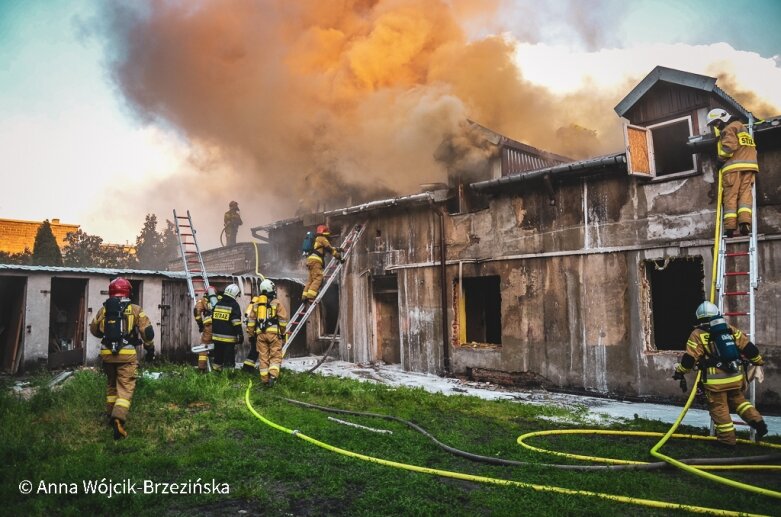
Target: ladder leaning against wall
{"type": "Point", "coordinates": [330, 273]}
{"type": "Point", "coordinates": [736, 276]}
{"type": "Point", "coordinates": [197, 279]}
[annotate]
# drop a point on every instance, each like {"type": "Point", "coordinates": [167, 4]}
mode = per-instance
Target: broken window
{"type": "Point", "coordinates": [676, 289]}
{"type": "Point", "coordinates": [660, 149]}
{"type": "Point", "coordinates": [479, 310]}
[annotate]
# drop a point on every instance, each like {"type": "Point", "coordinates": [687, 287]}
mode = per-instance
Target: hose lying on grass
{"type": "Point", "coordinates": [706, 463]}
{"type": "Point", "coordinates": [650, 503]}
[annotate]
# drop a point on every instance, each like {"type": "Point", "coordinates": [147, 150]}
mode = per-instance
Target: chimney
{"type": "Point", "coordinates": [55, 221]}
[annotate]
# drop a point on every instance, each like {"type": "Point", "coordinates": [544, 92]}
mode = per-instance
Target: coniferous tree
{"type": "Point", "coordinates": [46, 252]}
{"type": "Point", "coordinates": [148, 244]}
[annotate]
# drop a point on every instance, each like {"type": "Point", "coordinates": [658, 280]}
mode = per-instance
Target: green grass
{"type": "Point", "coordinates": [185, 426]}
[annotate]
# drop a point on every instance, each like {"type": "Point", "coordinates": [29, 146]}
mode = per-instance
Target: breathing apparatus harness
{"type": "Point", "coordinates": [115, 325]}
{"type": "Point", "coordinates": [722, 351]}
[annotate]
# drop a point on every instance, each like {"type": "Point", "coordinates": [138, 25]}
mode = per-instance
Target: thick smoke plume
{"type": "Point", "coordinates": [314, 104]}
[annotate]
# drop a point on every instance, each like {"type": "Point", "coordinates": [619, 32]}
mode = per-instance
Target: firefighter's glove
{"type": "Point", "coordinates": [240, 339]}
{"type": "Point", "coordinates": [681, 378]}
{"type": "Point", "coordinates": [200, 325]}
{"type": "Point", "coordinates": [150, 355]}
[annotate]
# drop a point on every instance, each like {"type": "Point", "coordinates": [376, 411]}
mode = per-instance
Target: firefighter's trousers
{"type": "Point", "coordinates": [738, 198]}
{"type": "Point", "coordinates": [270, 351]}
{"type": "Point", "coordinates": [121, 385]}
{"type": "Point", "coordinates": [315, 268]}
{"type": "Point", "coordinates": [224, 355]}
{"type": "Point", "coordinates": [721, 403]}
{"type": "Point", "coordinates": [206, 338]}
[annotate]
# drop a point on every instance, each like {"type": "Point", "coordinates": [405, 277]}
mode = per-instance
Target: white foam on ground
{"type": "Point", "coordinates": [598, 410]}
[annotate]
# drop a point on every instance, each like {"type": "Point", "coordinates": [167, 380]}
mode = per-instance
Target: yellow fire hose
{"type": "Point", "coordinates": [484, 479]}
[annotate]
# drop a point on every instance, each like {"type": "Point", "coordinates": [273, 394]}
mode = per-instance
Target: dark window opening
{"type": "Point", "coordinates": [671, 154]}
{"type": "Point", "coordinates": [329, 310]}
{"type": "Point", "coordinates": [482, 310]}
{"type": "Point", "coordinates": [676, 291]}
{"type": "Point", "coordinates": [135, 296]}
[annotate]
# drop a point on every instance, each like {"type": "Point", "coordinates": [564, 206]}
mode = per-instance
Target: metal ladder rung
{"type": "Point", "coordinates": [737, 254]}
{"type": "Point", "coordinates": [737, 293]}
{"type": "Point", "coordinates": [737, 273]}
{"type": "Point", "coordinates": [737, 314]}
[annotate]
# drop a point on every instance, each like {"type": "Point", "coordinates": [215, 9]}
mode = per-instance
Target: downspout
{"type": "Point", "coordinates": [443, 283]}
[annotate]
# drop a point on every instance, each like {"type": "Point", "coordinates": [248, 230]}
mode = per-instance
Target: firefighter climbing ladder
{"type": "Point", "coordinates": [736, 275]}
{"type": "Point", "coordinates": [197, 280]}
{"type": "Point", "coordinates": [330, 274]}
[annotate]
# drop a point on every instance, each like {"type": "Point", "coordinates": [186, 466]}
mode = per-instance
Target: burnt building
{"type": "Point", "coordinates": [578, 275]}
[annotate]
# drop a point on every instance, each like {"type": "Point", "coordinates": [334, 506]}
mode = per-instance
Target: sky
{"type": "Point", "coordinates": [112, 110]}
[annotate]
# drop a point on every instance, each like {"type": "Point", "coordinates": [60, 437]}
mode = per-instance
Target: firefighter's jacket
{"type": "Point", "coordinates": [736, 148]}
{"type": "Point", "coordinates": [232, 219]}
{"type": "Point", "coordinates": [699, 348]}
{"type": "Point", "coordinates": [226, 320]}
{"type": "Point", "coordinates": [139, 330]}
{"type": "Point", "coordinates": [267, 316]}
{"type": "Point", "coordinates": [321, 246]}
{"type": "Point", "coordinates": [203, 311]}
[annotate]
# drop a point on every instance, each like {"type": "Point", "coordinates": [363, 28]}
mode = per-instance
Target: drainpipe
{"type": "Point", "coordinates": [443, 285]}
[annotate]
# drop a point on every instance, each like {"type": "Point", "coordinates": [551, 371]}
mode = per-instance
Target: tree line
{"type": "Point", "coordinates": [153, 249]}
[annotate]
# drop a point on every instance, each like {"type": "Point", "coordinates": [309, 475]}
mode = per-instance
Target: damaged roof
{"type": "Point", "coordinates": [679, 77]}
{"type": "Point", "coordinates": [90, 270]}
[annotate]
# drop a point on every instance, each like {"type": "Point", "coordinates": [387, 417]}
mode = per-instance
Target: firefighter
{"type": "Point", "coordinates": [269, 320]}
{"type": "Point", "coordinates": [121, 326]}
{"type": "Point", "coordinates": [251, 361]}
{"type": "Point", "coordinates": [736, 149]}
{"type": "Point", "coordinates": [723, 379]}
{"type": "Point", "coordinates": [226, 328]}
{"type": "Point", "coordinates": [203, 317]}
{"type": "Point", "coordinates": [315, 261]}
{"type": "Point", "coordinates": [231, 221]}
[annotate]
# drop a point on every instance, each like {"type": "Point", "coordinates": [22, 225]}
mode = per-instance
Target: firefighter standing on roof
{"type": "Point", "coordinates": [226, 328]}
{"type": "Point", "coordinates": [268, 320]}
{"type": "Point", "coordinates": [737, 150]}
{"type": "Point", "coordinates": [723, 380]}
{"type": "Point", "coordinates": [203, 317]}
{"type": "Point", "coordinates": [315, 261]}
{"type": "Point", "coordinates": [231, 221]}
{"type": "Point", "coordinates": [121, 326]}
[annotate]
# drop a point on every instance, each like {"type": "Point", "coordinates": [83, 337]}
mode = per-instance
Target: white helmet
{"type": "Point", "coordinates": [232, 291]}
{"type": "Point", "coordinates": [717, 114]}
{"type": "Point", "coordinates": [267, 286]}
{"type": "Point", "coordinates": [706, 311]}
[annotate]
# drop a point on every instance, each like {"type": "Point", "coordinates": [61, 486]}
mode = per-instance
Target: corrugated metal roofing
{"type": "Point", "coordinates": [670, 75]}
{"type": "Point", "coordinates": [90, 270]}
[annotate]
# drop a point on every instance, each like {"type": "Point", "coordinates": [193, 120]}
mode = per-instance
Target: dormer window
{"type": "Point", "coordinates": [660, 150]}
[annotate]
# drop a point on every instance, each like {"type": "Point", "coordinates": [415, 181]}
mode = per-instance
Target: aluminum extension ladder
{"type": "Point", "coordinates": [330, 273]}
{"type": "Point", "coordinates": [197, 279]}
{"type": "Point", "coordinates": [737, 278]}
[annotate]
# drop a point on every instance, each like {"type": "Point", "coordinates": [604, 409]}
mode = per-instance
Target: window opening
{"type": "Point", "coordinates": [676, 290]}
{"type": "Point", "coordinates": [670, 152]}
{"type": "Point", "coordinates": [480, 310]}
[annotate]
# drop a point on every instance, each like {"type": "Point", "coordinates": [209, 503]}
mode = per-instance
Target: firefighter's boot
{"type": "Point", "coordinates": [119, 429]}
{"type": "Point", "coordinates": [760, 430]}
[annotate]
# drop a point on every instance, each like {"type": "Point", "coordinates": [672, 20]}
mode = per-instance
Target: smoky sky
{"type": "Point", "coordinates": [309, 104]}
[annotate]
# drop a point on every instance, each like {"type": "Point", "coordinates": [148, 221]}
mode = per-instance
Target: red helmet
{"type": "Point", "coordinates": [323, 230]}
{"type": "Point", "coordinates": [120, 288]}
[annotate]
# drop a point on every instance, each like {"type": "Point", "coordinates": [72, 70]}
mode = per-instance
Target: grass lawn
{"type": "Point", "coordinates": [185, 426]}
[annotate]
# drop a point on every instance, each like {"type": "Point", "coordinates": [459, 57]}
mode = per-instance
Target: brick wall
{"type": "Point", "coordinates": [237, 259]}
{"type": "Point", "coordinates": [16, 235]}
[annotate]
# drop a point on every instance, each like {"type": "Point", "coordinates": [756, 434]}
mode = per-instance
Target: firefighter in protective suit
{"type": "Point", "coordinates": [203, 318]}
{"type": "Point", "coordinates": [724, 383]}
{"type": "Point", "coordinates": [121, 326]}
{"type": "Point", "coordinates": [226, 328]}
{"type": "Point", "coordinates": [268, 319]}
{"type": "Point", "coordinates": [231, 222]}
{"type": "Point", "coordinates": [251, 361]}
{"type": "Point", "coordinates": [315, 261]}
{"type": "Point", "coordinates": [736, 149]}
